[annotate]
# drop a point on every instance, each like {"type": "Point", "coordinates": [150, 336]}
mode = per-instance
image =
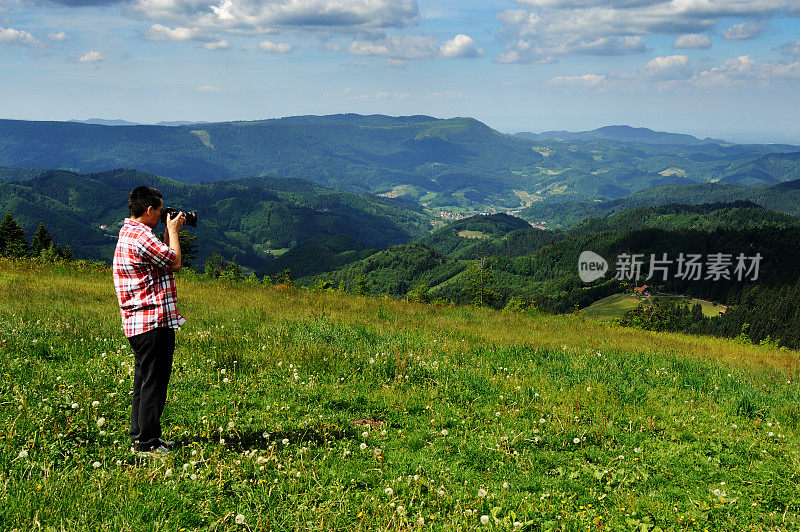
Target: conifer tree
{"type": "Point", "coordinates": [41, 240]}
{"type": "Point", "coordinates": [12, 238]}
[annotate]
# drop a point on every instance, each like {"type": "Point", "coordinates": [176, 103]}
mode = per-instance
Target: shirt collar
{"type": "Point", "coordinates": [131, 221]}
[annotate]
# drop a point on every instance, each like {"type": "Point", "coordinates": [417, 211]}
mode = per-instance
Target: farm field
{"type": "Point", "coordinates": [301, 410]}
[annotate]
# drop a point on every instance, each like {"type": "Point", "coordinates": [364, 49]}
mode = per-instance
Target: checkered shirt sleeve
{"type": "Point", "coordinates": [146, 290]}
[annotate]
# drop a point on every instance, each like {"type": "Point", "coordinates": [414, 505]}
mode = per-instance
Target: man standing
{"type": "Point", "coordinates": [145, 285]}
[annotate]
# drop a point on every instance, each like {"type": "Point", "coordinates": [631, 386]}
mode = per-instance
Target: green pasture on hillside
{"type": "Point", "coordinates": [301, 410]}
{"type": "Point", "coordinates": [616, 305]}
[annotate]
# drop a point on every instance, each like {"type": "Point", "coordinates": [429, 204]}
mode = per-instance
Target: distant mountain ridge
{"type": "Point", "coordinates": [622, 133]}
{"type": "Point", "coordinates": [455, 165]}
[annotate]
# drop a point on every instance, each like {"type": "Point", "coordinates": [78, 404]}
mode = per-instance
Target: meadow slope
{"type": "Point", "coordinates": [301, 410]}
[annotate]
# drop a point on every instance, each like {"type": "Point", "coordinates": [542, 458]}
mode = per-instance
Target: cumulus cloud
{"type": "Point", "coordinates": [91, 57]}
{"type": "Point", "coordinates": [668, 68]}
{"type": "Point", "coordinates": [158, 32]}
{"type": "Point", "coordinates": [539, 30]}
{"type": "Point", "coordinates": [401, 47]}
{"type": "Point", "coordinates": [161, 33]}
{"type": "Point", "coordinates": [275, 48]}
{"type": "Point", "coordinates": [217, 45]}
{"type": "Point", "coordinates": [58, 36]}
{"type": "Point", "coordinates": [744, 69]}
{"type": "Point", "coordinates": [460, 46]}
{"type": "Point", "coordinates": [17, 37]}
{"type": "Point", "coordinates": [746, 30]}
{"type": "Point", "coordinates": [676, 71]}
{"type": "Point", "coordinates": [791, 48]}
{"type": "Point", "coordinates": [692, 41]}
{"type": "Point", "coordinates": [265, 16]}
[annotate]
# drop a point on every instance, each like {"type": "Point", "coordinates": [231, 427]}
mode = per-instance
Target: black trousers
{"type": "Point", "coordinates": [153, 352]}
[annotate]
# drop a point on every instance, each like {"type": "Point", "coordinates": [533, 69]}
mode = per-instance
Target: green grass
{"type": "Point", "coordinates": [611, 307]}
{"type": "Point", "coordinates": [616, 305]}
{"type": "Point", "coordinates": [322, 411]}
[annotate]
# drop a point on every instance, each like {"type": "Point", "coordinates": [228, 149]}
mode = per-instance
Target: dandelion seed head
{"type": "Point", "coordinates": [484, 519]}
{"type": "Point", "coordinates": [239, 519]}
{"type": "Point", "coordinates": [481, 493]}
{"type": "Point", "coordinates": [96, 465]}
{"type": "Point", "coordinates": [101, 421]}
{"type": "Point", "coordinates": [23, 453]}
{"type": "Point", "coordinates": [95, 404]}
{"type": "Point", "coordinates": [363, 446]}
{"type": "Point", "coordinates": [576, 441]}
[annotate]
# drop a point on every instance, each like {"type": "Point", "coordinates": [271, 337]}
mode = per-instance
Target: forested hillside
{"type": "Point", "coordinates": [457, 164]}
{"type": "Point", "coordinates": [251, 219]}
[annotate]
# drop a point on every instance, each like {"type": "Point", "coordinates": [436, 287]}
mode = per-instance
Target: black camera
{"type": "Point", "coordinates": [191, 216]}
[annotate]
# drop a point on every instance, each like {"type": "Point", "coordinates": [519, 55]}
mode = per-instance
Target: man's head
{"type": "Point", "coordinates": [144, 204]}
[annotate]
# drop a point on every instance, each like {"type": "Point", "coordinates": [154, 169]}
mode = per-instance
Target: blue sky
{"type": "Point", "coordinates": [721, 68]}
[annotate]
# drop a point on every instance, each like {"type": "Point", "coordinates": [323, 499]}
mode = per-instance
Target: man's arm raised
{"type": "Point", "coordinates": [171, 239]}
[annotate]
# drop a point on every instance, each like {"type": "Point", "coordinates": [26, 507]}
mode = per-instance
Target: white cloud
{"type": "Point", "coordinates": [675, 71]}
{"type": "Point", "coordinates": [265, 16]}
{"type": "Point", "coordinates": [542, 29]}
{"type": "Point", "coordinates": [275, 48]}
{"type": "Point", "coordinates": [208, 88]}
{"type": "Point", "coordinates": [158, 32]}
{"type": "Point", "coordinates": [396, 63]}
{"type": "Point", "coordinates": [692, 41]}
{"type": "Point", "coordinates": [217, 45]}
{"type": "Point", "coordinates": [59, 36]}
{"type": "Point", "coordinates": [401, 47]}
{"type": "Point", "coordinates": [668, 68]}
{"type": "Point", "coordinates": [447, 95]}
{"type": "Point", "coordinates": [587, 80]}
{"type": "Point", "coordinates": [91, 57]}
{"type": "Point", "coordinates": [460, 46]}
{"type": "Point", "coordinates": [745, 69]}
{"type": "Point", "coordinates": [746, 30]}
{"type": "Point", "coordinates": [18, 37]}
{"type": "Point", "coordinates": [791, 48]}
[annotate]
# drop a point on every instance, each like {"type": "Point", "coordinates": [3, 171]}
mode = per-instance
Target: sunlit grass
{"type": "Point", "coordinates": [315, 410]}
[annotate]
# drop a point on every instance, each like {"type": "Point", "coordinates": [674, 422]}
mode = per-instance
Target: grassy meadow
{"type": "Point", "coordinates": [301, 410]}
{"type": "Point", "coordinates": [616, 305]}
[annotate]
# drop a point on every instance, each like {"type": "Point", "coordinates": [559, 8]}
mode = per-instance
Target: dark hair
{"type": "Point", "coordinates": [141, 198]}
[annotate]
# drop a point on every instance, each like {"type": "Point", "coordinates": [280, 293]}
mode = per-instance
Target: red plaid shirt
{"type": "Point", "coordinates": [145, 287]}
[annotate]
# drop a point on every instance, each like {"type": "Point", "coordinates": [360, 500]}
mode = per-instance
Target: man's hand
{"type": "Point", "coordinates": [176, 223]}
{"type": "Point", "coordinates": [171, 238]}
